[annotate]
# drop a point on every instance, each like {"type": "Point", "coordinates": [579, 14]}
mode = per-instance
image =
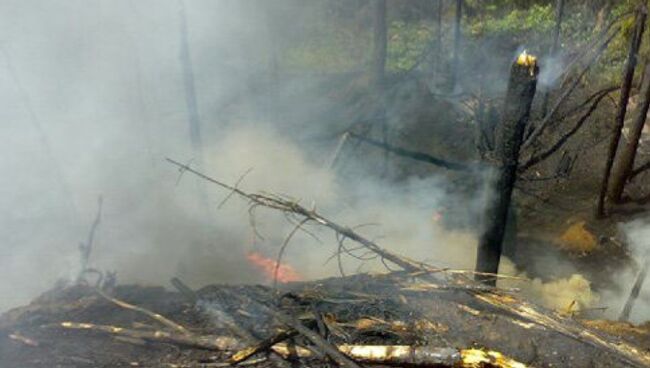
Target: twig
{"type": "Point", "coordinates": [276, 271]}
{"type": "Point", "coordinates": [86, 248]}
{"type": "Point", "coordinates": [329, 349]}
{"type": "Point", "coordinates": [562, 140]}
{"type": "Point", "coordinates": [165, 321]}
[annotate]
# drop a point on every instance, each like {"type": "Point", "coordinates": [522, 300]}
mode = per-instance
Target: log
{"type": "Point", "coordinates": [510, 134]}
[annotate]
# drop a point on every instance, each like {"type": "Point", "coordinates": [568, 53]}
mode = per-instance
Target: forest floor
{"type": "Point", "coordinates": [390, 309]}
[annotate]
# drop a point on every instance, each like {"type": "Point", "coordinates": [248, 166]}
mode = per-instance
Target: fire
{"type": "Point", "coordinates": [526, 59]}
{"type": "Point", "coordinates": [286, 273]}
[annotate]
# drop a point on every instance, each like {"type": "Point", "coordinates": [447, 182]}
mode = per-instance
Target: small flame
{"type": "Point", "coordinates": [526, 59]}
{"type": "Point", "coordinates": [529, 61]}
{"type": "Point", "coordinates": [286, 273]}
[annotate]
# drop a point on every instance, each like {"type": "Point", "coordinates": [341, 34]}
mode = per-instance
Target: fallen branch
{"type": "Point", "coordinates": [322, 344]}
{"type": "Point", "coordinates": [509, 304]}
{"type": "Point", "coordinates": [418, 156]}
{"type": "Point", "coordinates": [165, 321]}
{"type": "Point", "coordinates": [424, 356]}
{"type": "Point", "coordinates": [207, 342]}
{"type": "Point", "coordinates": [634, 293]}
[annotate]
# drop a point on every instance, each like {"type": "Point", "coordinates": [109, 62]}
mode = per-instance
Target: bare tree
{"type": "Point", "coordinates": [628, 77]}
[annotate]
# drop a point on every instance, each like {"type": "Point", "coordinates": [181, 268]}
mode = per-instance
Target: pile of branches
{"type": "Point", "coordinates": [421, 315]}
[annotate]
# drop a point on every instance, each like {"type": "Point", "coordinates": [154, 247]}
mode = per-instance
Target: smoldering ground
{"type": "Point", "coordinates": [93, 99]}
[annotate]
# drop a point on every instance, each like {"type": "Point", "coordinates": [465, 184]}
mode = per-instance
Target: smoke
{"type": "Point", "coordinates": [636, 235]}
{"type": "Point", "coordinates": [93, 101]}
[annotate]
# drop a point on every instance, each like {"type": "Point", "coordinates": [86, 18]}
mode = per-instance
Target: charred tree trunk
{"type": "Point", "coordinates": [628, 77]}
{"type": "Point", "coordinates": [516, 111]}
{"type": "Point", "coordinates": [625, 164]}
{"type": "Point", "coordinates": [190, 90]}
{"type": "Point", "coordinates": [559, 13]}
{"type": "Point", "coordinates": [455, 72]}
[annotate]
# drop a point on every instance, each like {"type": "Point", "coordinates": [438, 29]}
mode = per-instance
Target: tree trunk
{"type": "Point", "coordinates": [559, 13]}
{"type": "Point", "coordinates": [516, 111]}
{"type": "Point", "coordinates": [380, 43]}
{"type": "Point", "coordinates": [455, 73]}
{"type": "Point", "coordinates": [625, 164]}
{"type": "Point", "coordinates": [379, 72]}
{"type": "Point", "coordinates": [634, 293]}
{"type": "Point", "coordinates": [438, 57]}
{"type": "Point", "coordinates": [628, 77]}
{"type": "Point", "coordinates": [190, 91]}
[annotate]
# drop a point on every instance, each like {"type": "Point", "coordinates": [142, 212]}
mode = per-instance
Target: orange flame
{"type": "Point", "coordinates": [286, 273]}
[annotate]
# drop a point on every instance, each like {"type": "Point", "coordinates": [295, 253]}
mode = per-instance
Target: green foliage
{"type": "Point", "coordinates": [519, 23]}
{"type": "Point", "coordinates": [407, 42]}
{"type": "Point", "coordinates": [327, 48]}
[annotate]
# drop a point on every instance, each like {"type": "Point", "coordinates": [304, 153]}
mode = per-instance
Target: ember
{"type": "Point", "coordinates": [285, 273]}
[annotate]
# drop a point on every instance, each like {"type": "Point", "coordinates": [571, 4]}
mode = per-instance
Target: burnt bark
{"type": "Point", "coordinates": [625, 164]}
{"type": "Point", "coordinates": [628, 77]}
{"type": "Point", "coordinates": [515, 115]}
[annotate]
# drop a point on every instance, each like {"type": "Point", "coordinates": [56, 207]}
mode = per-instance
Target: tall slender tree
{"type": "Point", "coordinates": [194, 119]}
{"type": "Point", "coordinates": [625, 164]}
{"type": "Point", "coordinates": [455, 67]}
{"type": "Point", "coordinates": [626, 85]}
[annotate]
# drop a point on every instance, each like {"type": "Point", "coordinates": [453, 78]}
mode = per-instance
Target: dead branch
{"type": "Point", "coordinates": [511, 305]}
{"type": "Point", "coordinates": [418, 156]}
{"type": "Point", "coordinates": [634, 293]}
{"type": "Point", "coordinates": [207, 342]}
{"type": "Point", "coordinates": [640, 170]}
{"type": "Point", "coordinates": [86, 248]}
{"type": "Point", "coordinates": [322, 344]}
{"type": "Point", "coordinates": [424, 356]}
{"type": "Point", "coordinates": [163, 320]}
{"type": "Point", "coordinates": [243, 354]}
{"type": "Point", "coordinates": [186, 291]}
{"type": "Point", "coordinates": [563, 139]}
{"type": "Point", "coordinates": [556, 105]}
